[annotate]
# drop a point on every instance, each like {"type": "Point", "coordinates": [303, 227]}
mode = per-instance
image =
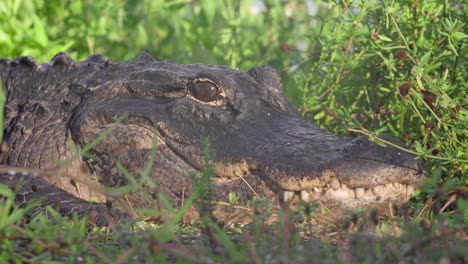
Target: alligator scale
{"type": "Point", "coordinates": [259, 143]}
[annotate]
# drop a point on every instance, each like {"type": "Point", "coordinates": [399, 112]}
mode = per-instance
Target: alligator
{"type": "Point", "coordinates": [259, 144]}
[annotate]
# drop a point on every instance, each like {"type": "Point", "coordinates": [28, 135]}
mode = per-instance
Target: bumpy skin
{"type": "Point", "coordinates": [259, 144]}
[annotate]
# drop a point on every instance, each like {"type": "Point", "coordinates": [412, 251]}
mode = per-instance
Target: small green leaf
{"type": "Point", "coordinates": [385, 38]}
{"type": "Point", "coordinates": [232, 197]}
{"type": "Point", "coordinates": [425, 58]}
{"type": "Point", "coordinates": [446, 101]}
{"type": "Point", "coordinates": [419, 148]}
{"type": "Point", "coordinates": [319, 115]}
{"type": "Point", "coordinates": [378, 142]}
{"type": "Point", "coordinates": [384, 89]}
{"type": "Point", "coordinates": [5, 191]}
{"type": "Point", "coordinates": [345, 113]}
{"type": "Point", "coordinates": [459, 35]}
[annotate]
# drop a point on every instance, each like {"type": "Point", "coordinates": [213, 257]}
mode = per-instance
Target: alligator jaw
{"type": "Point", "coordinates": [329, 191]}
{"type": "Point", "coordinates": [348, 197]}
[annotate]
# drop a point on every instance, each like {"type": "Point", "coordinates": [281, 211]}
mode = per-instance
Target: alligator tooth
{"type": "Point", "coordinates": [288, 196]}
{"type": "Point", "coordinates": [12, 172]}
{"type": "Point", "coordinates": [409, 190]}
{"type": "Point", "coordinates": [316, 189]}
{"type": "Point", "coordinates": [359, 193]}
{"type": "Point", "coordinates": [305, 196]}
{"type": "Point", "coordinates": [335, 184]}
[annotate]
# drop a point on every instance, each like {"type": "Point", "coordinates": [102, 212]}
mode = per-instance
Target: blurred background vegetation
{"type": "Point", "coordinates": [371, 67]}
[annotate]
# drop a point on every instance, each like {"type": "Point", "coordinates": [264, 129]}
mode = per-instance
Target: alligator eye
{"type": "Point", "coordinates": [205, 91]}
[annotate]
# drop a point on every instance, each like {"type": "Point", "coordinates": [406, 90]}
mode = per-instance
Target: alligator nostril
{"type": "Point", "coordinates": [395, 159]}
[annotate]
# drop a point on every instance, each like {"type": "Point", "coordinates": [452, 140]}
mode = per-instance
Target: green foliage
{"type": "Point", "coordinates": [372, 67]}
{"type": "Point", "coordinates": [394, 68]}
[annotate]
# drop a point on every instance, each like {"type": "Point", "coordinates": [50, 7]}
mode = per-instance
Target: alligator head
{"type": "Point", "coordinates": [259, 143]}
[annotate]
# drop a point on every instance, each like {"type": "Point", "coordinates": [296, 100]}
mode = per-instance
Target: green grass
{"type": "Point", "coordinates": [300, 235]}
{"type": "Point", "coordinates": [354, 67]}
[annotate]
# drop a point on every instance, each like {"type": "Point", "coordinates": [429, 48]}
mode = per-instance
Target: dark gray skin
{"type": "Point", "coordinates": [255, 136]}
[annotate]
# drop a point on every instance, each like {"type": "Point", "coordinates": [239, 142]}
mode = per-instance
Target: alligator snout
{"type": "Point", "coordinates": [296, 159]}
{"type": "Point", "coordinates": [360, 174]}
